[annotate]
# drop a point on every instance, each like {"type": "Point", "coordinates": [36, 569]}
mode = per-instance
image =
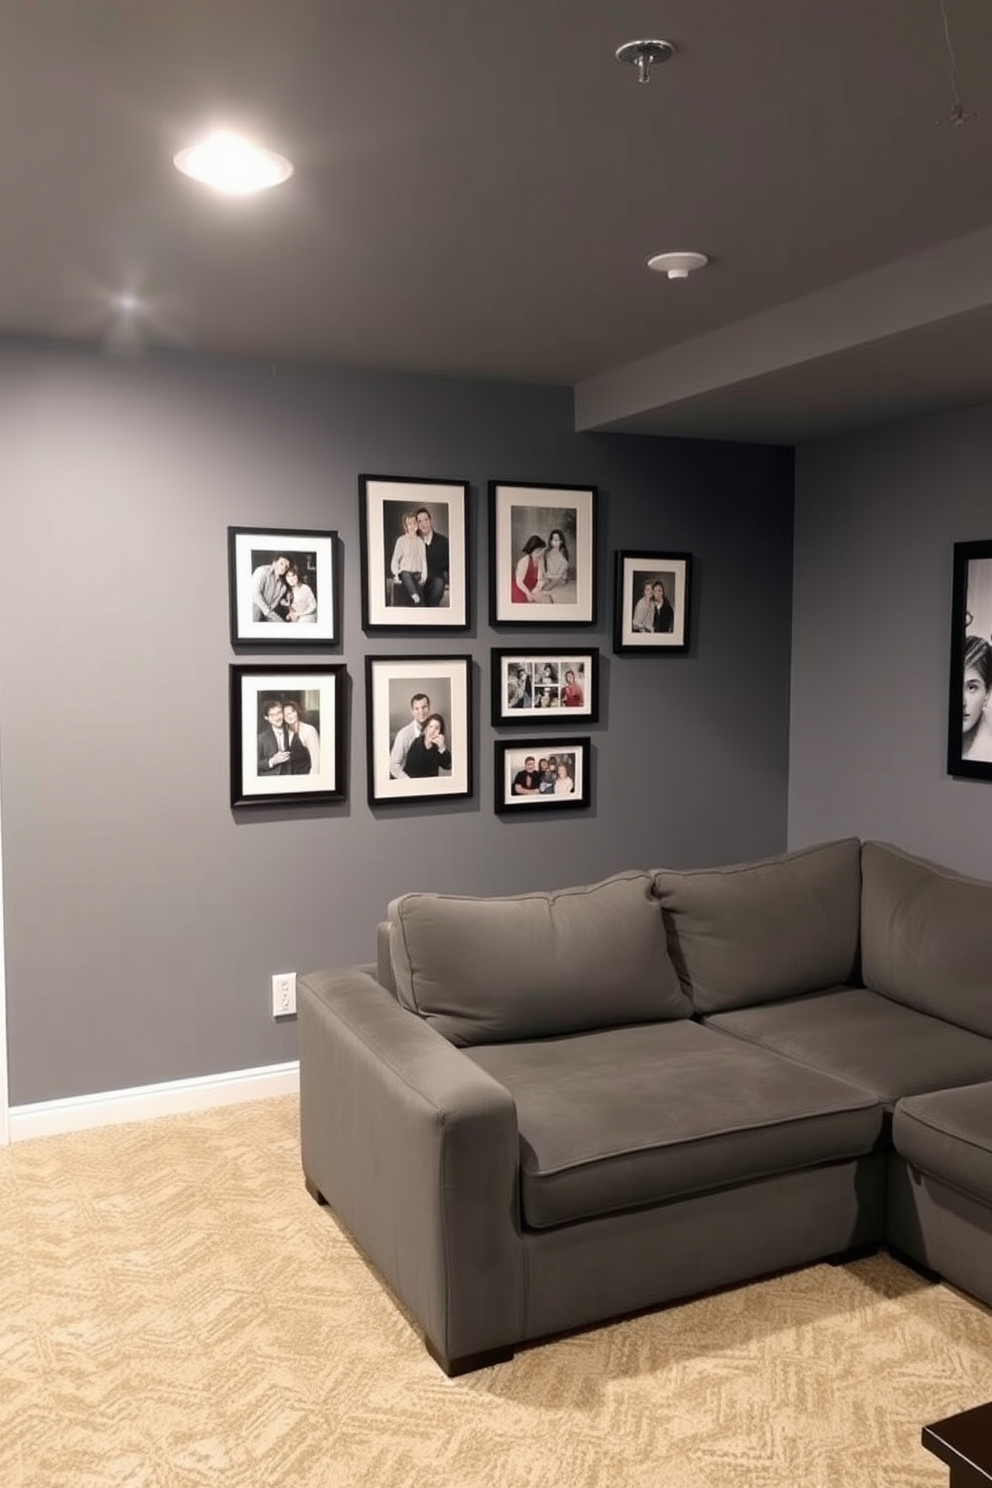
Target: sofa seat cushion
{"type": "Point", "coordinates": [926, 936]}
{"type": "Point", "coordinates": [854, 1033]}
{"type": "Point", "coordinates": [628, 1117]}
{"type": "Point", "coordinates": [755, 932]}
{"type": "Point", "coordinates": [487, 970]}
{"type": "Point", "coordinates": [948, 1134]}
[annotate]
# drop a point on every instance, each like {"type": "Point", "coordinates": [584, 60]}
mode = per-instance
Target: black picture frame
{"type": "Point", "coordinates": [261, 562]}
{"type": "Point", "coordinates": [520, 514]}
{"type": "Point", "coordinates": [435, 597]}
{"type": "Point", "coordinates": [969, 721]}
{"type": "Point", "coordinates": [511, 759]}
{"type": "Point", "coordinates": [637, 611]}
{"type": "Point", "coordinates": [314, 770]}
{"type": "Point", "coordinates": [393, 687]}
{"type": "Point", "coordinates": [545, 685]}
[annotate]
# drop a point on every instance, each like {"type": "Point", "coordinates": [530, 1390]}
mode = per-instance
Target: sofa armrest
{"type": "Point", "coordinates": [416, 1151]}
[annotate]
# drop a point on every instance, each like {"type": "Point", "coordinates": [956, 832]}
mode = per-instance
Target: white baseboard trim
{"type": "Point", "coordinates": [145, 1102]}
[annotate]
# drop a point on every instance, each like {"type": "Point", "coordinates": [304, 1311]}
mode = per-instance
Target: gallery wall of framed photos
{"type": "Point", "coordinates": [134, 468]}
{"type": "Point", "coordinates": [288, 722]}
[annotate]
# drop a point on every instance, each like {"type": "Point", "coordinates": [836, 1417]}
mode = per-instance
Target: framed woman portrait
{"type": "Point", "coordinates": [287, 735]}
{"type": "Point", "coordinates": [418, 726]}
{"type": "Point", "coordinates": [550, 774]}
{"type": "Point", "coordinates": [542, 554]}
{"type": "Point", "coordinates": [283, 587]}
{"type": "Point", "coordinates": [969, 719]}
{"type": "Point", "coordinates": [414, 549]}
{"type": "Point", "coordinates": [545, 686]}
{"type": "Point", "coordinates": [652, 602]}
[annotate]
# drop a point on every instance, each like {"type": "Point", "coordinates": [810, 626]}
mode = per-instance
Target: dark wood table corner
{"type": "Point", "coordinates": [964, 1444]}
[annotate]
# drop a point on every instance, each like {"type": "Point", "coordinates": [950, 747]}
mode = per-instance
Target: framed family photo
{"type": "Point", "coordinates": [545, 686]}
{"type": "Point", "coordinates": [414, 549]}
{"type": "Point", "coordinates": [419, 741]}
{"type": "Point", "coordinates": [969, 724]}
{"type": "Point", "coordinates": [542, 554]}
{"type": "Point", "coordinates": [283, 587]}
{"type": "Point", "coordinates": [287, 734]}
{"type": "Point", "coordinates": [542, 774]}
{"type": "Point", "coordinates": [652, 602]}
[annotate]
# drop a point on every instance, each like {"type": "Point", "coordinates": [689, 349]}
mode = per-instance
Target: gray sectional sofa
{"type": "Point", "coordinates": [540, 1112]}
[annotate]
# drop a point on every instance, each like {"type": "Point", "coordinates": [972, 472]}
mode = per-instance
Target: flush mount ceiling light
{"type": "Point", "coordinates": [643, 55]}
{"type": "Point", "coordinates": [232, 164]}
{"type": "Point", "coordinates": [677, 265]}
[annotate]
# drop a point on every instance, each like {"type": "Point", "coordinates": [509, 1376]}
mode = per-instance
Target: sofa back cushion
{"type": "Point", "coordinates": [758, 932]}
{"type": "Point", "coordinates": [926, 936]}
{"type": "Point", "coordinates": [384, 957]}
{"type": "Point", "coordinates": [535, 965]}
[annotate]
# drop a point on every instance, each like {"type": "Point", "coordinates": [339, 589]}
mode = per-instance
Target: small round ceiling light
{"type": "Point", "coordinates": [232, 164]}
{"type": "Point", "coordinates": [643, 55]}
{"type": "Point", "coordinates": [677, 265]}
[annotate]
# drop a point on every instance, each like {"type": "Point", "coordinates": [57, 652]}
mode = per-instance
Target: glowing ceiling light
{"type": "Point", "coordinates": [232, 164]}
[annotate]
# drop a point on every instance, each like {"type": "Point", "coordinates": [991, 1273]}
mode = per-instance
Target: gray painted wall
{"type": "Point", "coordinates": [876, 519]}
{"type": "Point", "coordinates": [143, 918]}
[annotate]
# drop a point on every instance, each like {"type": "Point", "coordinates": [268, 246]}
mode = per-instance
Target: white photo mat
{"type": "Point", "coordinates": [634, 572]}
{"type": "Point", "coordinates": [319, 700]}
{"type": "Point", "coordinates": [249, 549]}
{"type": "Point", "coordinates": [392, 683]}
{"type": "Point", "coordinates": [519, 513]}
{"type": "Point", "coordinates": [545, 698]}
{"type": "Point", "coordinates": [446, 501]}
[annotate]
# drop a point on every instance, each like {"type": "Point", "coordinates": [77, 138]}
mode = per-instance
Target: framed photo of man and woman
{"type": "Point", "coordinates": [545, 686]}
{"type": "Point", "coordinates": [419, 711]}
{"type": "Point", "coordinates": [283, 587]}
{"type": "Point", "coordinates": [969, 727]}
{"type": "Point", "coordinates": [652, 602]}
{"type": "Point", "coordinates": [414, 542]}
{"type": "Point", "coordinates": [552, 773]}
{"type": "Point", "coordinates": [287, 734]}
{"type": "Point", "coordinates": [542, 554]}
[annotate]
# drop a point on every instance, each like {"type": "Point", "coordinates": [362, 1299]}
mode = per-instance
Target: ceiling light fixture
{"type": "Point", "coordinates": [677, 265]}
{"type": "Point", "coordinates": [643, 55]}
{"type": "Point", "coordinates": [232, 164]}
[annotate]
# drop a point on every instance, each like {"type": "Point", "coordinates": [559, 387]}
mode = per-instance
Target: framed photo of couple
{"type": "Point", "coordinates": [545, 686]}
{"type": "Point", "coordinates": [287, 735]}
{"type": "Point", "coordinates": [283, 587]}
{"type": "Point", "coordinates": [418, 727]}
{"type": "Point", "coordinates": [969, 726]}
{"type": "Point", "coordinates": [543, 554]}
{"type": "Point", "coordinates": [652, 602]}
{"type": "Point", "coordinates": [542, 774]}
{"type": "Point", "coordinates": [414, 548]}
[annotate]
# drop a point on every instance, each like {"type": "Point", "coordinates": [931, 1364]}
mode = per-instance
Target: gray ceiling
{"type": "Point", "coordinates": [479, 184]}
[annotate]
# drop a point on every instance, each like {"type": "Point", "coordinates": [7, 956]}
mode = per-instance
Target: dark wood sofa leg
{"type": "Point", "coordinates": [912, 1264]}
{"type": "Point", "coordinates": [856, 1253]}
{"type": "Point", "coordinates": [468, 1362]}
{"type": "Point", "coordinates": [313, 1190]}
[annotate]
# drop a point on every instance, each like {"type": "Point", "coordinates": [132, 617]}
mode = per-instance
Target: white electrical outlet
{"type": "Point", "coordinates": [283, 994]}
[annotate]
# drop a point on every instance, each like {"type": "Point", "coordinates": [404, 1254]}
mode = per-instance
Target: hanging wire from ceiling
{"type": "Point", "coordinates": [959, 114]}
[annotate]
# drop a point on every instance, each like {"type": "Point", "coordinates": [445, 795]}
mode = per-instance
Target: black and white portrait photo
{"type": "Point", "coordinates": [652, 602]}
{"type": "Point", "coordinates": [287, 738]}
{"type": "Point", "coordinates": [969, 729]}
{"type": "Point", "coordinates": [282, 587]}
{"type": "Point", "coordinates": [418, 727]}
{"type": "Point", "coordinates": [543, 554]}
{"type": "Point", "coordinates": [414, 553]}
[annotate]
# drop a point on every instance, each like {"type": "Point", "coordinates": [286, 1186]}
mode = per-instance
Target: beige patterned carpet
{"type": "Point", "coordinates": [175, 1311]}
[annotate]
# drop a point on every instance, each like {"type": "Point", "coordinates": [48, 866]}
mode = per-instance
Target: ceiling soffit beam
{"type": "Point", "coordinates": [923, 289]}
